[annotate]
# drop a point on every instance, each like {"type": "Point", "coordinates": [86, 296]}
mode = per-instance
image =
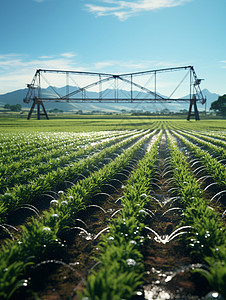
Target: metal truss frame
{"type": "Point", "coordinates": [35, 94]}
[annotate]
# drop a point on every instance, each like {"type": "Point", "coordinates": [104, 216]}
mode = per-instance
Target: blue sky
{"type": "Point", "coordinates": [113, 37]}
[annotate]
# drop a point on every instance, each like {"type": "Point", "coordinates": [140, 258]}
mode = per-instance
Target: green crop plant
{"type": "Point", "coordinates": [208, 234]}
{"type": "Point", "coordinates": [10, 272]}
{"type": "Point", "coordinates": [36, 243]}
{"type": "Point", "coordinates": [107, 285]}
{"type": "Point", "coordinates": [120, 265]}
{"type": "Point", "coordinates": [120, 269]}
{"type": "Point", "coordinates": [212, 166]}
{"type": "Point", "coordinates": [213, 139]}
{"type": "Point", "coordinates": [39, 239]}
{"type": "Point", "coordinates": [27, 169]}
{"type": "Point", "coordinates": [216, 272]}
{"type": "Point", "coordinates": [207, 144]}
{"type": "Point", "coordinates": [128, 228]}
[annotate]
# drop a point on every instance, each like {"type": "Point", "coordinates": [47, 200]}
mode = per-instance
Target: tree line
{"type": "Point", "coordinates": [219, 106]}
{"type": "Point", "coordinates": [16, 107]}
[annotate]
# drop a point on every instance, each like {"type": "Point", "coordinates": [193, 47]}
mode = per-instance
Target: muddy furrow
{"type": "Point", "coordinates": [167, 262]}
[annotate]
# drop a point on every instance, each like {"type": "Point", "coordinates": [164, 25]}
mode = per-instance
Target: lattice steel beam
{"type": "Point", "coordinates": [36, 94]}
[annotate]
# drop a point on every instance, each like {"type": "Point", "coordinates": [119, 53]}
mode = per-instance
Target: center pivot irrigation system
{"type": "Point", "coordinates": [139, 87]}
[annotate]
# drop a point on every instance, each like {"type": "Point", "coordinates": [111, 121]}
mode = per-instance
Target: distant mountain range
{"type": "Point", "coordinates": [16, 97]}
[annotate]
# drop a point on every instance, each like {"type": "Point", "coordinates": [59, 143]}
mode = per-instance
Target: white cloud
{"type": "Point", "coordinates": [18, 70]}
{"type": "Point", "coordinates": [68, 54]}
{"type": "Point", "coordinates": [46, 57]}
{"type": "Point", "coordinates": [122, 67]}
{"type": "Point", "coordinates": [223, 62]}
{"type": "Point", "coordinates": [125, 9]}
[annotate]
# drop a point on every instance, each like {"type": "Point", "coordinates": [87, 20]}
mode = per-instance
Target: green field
{"type": "Point", "coordinates": [112, 207]}
{"type": "Point", "coordinates": [96, 123]}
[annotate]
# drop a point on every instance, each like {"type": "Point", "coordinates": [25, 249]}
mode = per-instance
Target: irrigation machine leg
{"type": "Point", "coordinates": [38, 103]}
{"type": "Point", "coordinates": [31, 110]}
{"type": "Point", "coordinates": [196, 112]}
{"type": "Point", "coordinates": [44, 110]}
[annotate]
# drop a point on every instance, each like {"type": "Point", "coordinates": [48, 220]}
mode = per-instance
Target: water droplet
{"type": "Point", "coordinates": [131, 262]}
{"type": "Point", "coordinates": [143, 195]}
{"type": "Point", "coordinates": [7, 194]}
{"type": "Point", "coordinates": [64, 203]}
{"type": "Point", "coordinates": [55, 217]}
{"type": "Point", "coordinates": [139, 293]}
{"type": "Point", "coordinates": [133, 242]}
{"type": "Point", "coordinates": [53, 203]}
{"type": "Point", "coordinates": [46, 229]}
{"type": "Point", "coordinates": [60, 193]}
{"type": "Point", "coordinates": [88, 237]}
{"type": "Point", "coordinates": [213, 295]}
{"type": "Point", "coordinates": [157, 281]}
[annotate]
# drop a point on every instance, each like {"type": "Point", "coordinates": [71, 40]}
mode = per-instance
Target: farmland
{"type": "Point", "coordinates": [112, 208]}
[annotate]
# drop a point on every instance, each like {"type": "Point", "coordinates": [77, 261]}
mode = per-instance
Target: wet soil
{"type": "Point", "coordinates": [168, 266]}
{"type": "Point", "coordinates": [63, 279]}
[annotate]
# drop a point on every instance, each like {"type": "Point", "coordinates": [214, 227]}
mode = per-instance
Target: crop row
{"type": "Point", "coordinates": [221, 136]}
{"type": "Point", "coordinates": [30, 145]}
{"type": "Point", "coordinates": [121, 268]}
{"type": "Point", "coordinates": [27, 193]}
{"type": "Point", "coordinates": [43, 153]}
{"type": "Point", "coordinates": [215, 150]}
{"type": "Point", "coordinates": [207, 138]}
{"type": "Point", "coordinates": [213, 167]}
{"type": "Point", "coordinates": [207, 238]}
{"type": "Point", "coordinates": [26, 170]}
{"type": "Point", "coordinates": [40, 239]}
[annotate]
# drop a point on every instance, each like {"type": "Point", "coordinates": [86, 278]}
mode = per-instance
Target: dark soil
{"type": "Point", "coordinates": [168, 266]}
